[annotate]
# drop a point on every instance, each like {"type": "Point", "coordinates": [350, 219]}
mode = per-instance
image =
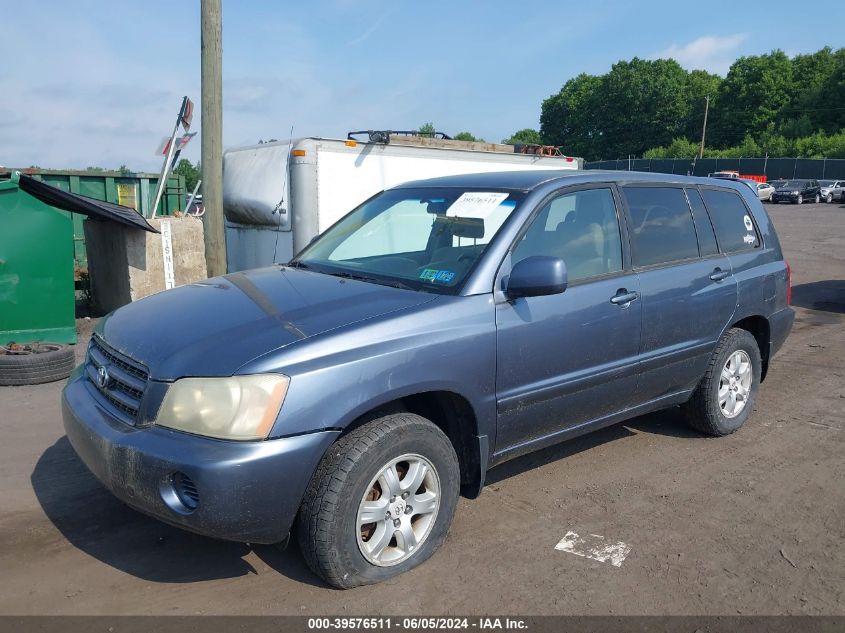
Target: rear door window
{"type": "Point", "coordinates": [732, 221]}
{"type": "Point", "coordinates": [662, 228]}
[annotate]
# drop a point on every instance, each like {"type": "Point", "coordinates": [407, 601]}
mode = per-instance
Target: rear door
{"type": "Point", "coordinates": [568, 359]}
{"type": "Point", "coordinates": [687, 286]}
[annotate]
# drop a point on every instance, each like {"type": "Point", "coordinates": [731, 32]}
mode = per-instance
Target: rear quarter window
{"type": "Point", "coordinates": [732, 221]}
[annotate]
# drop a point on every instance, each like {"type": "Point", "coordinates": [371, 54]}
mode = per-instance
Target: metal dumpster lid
{"type": "Point", "coordinates": [81, 204]}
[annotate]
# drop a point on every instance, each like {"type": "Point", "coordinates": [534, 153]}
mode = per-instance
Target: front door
{"type": "Point", "coordinates": [568, 359]}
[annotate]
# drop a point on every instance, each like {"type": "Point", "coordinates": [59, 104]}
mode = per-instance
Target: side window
{"type": "Point", "coordinates": [703, 227]}
{"type": "Point", "coordinates": [732, 221]}
{"type": "Point", "coordinates": [662, 227]}
{"type": "Point", "coordinates": [582, 229]}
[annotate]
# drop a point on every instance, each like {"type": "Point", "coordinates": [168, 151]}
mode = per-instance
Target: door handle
{"type": "Point", "coordinates": [623, 297]}
{"type": "Point", "coordinates": [718, 274]}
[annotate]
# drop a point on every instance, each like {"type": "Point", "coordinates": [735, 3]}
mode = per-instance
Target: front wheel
{"type": "Point", "coordinates": [381, 501]}
{"type": "Point", "coordinates": [800, 199]}
{"type": "Point", "coordinates": [817, 198]}
{"type": "Point", "coordinates": [828, 198]}
{"type": "Point", "coordinates": [725, 397]}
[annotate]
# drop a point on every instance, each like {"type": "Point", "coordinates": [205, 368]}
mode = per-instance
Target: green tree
{"type": "Point", "coordinates": [190, 172]}
{"type": "Point", "coordinates": [752, 97]}
{"type": "Point", "coordinates": [426, 129]}
{"type": "Point", "coordinates": [811, 73]}
{"type": "Point", "coordinates": [466, 136]}
{"type": "Point", "coordinates": [525, 136]}
{"type": "Point", "coordinates": [644, 104]}
{"type": "Point", "coordinates": [678, 148]}
{"type": "Point", "coordinates": [570, 118]}
{"type": "Point", "coordinates": [831, 103]}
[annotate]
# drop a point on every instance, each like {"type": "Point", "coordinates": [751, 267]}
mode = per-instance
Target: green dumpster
{"type": "Point", "coordinates": [36, 269]}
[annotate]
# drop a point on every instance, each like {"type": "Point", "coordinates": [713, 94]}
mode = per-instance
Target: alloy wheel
{"type": "Point", "coordinates": [398, 510]}
{"type": "Point", "coordinates": [735, 384]}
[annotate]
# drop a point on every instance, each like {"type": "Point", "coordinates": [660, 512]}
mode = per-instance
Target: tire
{"type": "Point", "coordinates": [772, 200]}
{"type": "Point", "coordinates": [817, 198]}
{"type": "Point", "coordinates": [800, 199]}
{"type": "Point", "coordinates": [330, 536]}
{"type": "Point", "coordinates": [37, 368]}
{"type": "Point", "coordinates": [828, 198]}
{"type": "Point", "coordinates": [703, 411]}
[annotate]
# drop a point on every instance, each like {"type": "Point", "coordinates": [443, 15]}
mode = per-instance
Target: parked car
{"type": "Point", "coordinates": [442, 327]}
{"type": "Point", "coordinates": [763, 190]}
{"type": "Point", "coordinates": [797, 191]}
{"type": "Point", "coordinates": [832, 190]}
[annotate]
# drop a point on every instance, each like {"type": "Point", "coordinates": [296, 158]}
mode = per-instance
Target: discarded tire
{"type": "Point", "coordinates": [35, 364]}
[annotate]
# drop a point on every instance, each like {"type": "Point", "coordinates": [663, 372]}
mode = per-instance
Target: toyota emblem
{"type": "Point", "coordinates": [102, 377]}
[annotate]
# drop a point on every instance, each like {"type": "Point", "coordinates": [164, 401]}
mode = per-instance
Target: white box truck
{"type": "Point", "coordinates": [278, 196]}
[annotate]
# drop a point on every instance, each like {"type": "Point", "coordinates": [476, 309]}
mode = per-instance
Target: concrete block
{"type": "Point", "coordinates": [125, 264]}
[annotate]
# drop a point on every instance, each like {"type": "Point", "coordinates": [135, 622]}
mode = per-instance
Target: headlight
{"type": "Point", "coordinates": [236, 408]}
{"type": "Point", "coordinates": [794, 193]}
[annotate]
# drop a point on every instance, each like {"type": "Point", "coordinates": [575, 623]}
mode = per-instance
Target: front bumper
{"type": "Point", "coordinates": [246, 491]}
{"type": "Point", "coordinates": [784, 197]}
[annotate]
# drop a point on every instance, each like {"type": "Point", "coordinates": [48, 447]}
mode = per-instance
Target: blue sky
{"type": "Point", "coordinates": [95, 82]}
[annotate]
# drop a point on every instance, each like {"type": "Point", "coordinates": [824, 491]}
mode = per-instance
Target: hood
{"type": "Point", "coordinates": [213, 327]}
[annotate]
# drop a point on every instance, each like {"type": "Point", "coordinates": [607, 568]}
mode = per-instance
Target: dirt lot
{"type": "Point", "coordinates": [753, 523]}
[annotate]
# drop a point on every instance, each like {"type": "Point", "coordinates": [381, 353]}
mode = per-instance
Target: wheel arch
{"type": "Point", "coordinates": [455, 416]}
{"type": "Point", "coordinates": [758, 326]}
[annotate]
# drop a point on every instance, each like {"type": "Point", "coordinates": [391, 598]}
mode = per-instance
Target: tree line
{"type": "Point", "coordinates": [766, 104]}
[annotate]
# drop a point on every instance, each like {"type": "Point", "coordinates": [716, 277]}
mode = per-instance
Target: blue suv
{"type": "Point", "coordinates": [441, 328]}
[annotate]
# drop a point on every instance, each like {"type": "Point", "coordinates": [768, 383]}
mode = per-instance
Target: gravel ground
{"type": "Point", "coordinates": [753, 523]}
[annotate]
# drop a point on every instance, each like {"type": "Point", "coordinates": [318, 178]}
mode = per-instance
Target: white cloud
{"type": "Point", "coordinates": [714, 53]}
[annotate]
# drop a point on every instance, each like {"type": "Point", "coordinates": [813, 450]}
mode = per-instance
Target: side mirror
{"type": "Point", "coordinates": [537, 276]}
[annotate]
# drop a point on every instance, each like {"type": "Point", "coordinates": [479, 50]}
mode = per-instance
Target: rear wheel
{"type": "Point", "coordinates": [381, 501]}
{"type": "Point", "coordinates": [725, 397]}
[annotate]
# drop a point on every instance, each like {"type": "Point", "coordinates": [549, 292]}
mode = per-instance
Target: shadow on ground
{"type": "Point", "coordinates": [668, 422]}
{"type": "Point", "coordinates": [100, 525]}
{"type": "Point", "coordinates": [827, 295]}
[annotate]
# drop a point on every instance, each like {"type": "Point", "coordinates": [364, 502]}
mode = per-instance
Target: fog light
{"type": "Point", "coordinates": [180, 493]}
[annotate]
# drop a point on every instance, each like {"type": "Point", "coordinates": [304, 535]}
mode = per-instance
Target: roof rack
{"type": "Point", "coordinates": [383, 136]}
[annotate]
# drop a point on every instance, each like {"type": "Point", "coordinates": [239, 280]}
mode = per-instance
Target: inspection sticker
{"type": "Point", "coordinates": [476, 204]}
{"type": "Point", "coordinates": [433, 275]}
{"type": "Point", "coordinates": [594, 546]}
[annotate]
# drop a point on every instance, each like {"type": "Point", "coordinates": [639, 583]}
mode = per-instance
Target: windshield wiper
{"type": "Point", "coordinates": [374, 280]}
{"type": "Point", "coordinates": [298, 264]}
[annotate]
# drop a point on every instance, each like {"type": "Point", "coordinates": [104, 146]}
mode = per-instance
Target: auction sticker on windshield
{"type": "Point", "coordinates": [476, 204]}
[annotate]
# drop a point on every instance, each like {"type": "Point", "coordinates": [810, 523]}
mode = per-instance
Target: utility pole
{"type": "Point", "coordinates": [212, 137]}
{"type": "Point", "coordinates": [704, 128]}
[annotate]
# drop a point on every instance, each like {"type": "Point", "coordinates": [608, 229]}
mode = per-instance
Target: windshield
{"type": "Point", "coordinates": [793, 183]}
{"type": "Point", "coordinates": [423, 239]}
{"type": "Point", "coordinates": [826, 183]}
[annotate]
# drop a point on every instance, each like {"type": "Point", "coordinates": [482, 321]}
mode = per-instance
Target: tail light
{"type": "Point", "coordinates": [788, 284]}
